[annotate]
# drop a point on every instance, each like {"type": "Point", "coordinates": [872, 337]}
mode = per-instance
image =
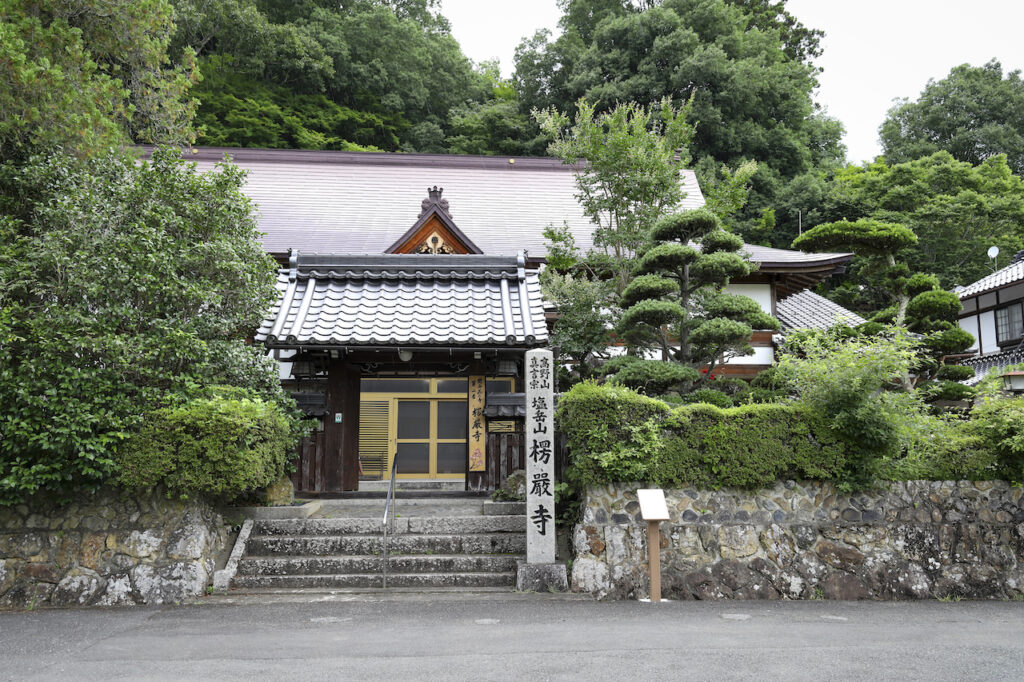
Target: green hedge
{"type": "Point", "coordinates": [616, 435]}
{"type": "Point", "coordinates": [217, 447]}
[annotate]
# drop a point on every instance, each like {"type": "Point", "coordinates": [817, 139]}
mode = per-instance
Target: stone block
{"type": "Point", "coordinates": [117, 592]}
{"type": "Point", "coordinates": [546, 577]}
{"type": "Point", "coordinates": [40, 572]}
{"type": "Point", "coordinates": [78, 588]}
{"type": "Point", "coordinates": [590, 575]}
{"type": "Point", "coordinates": [280, 494]}
{"type": "Point", "coordinates": [779, 546]}
{"type": "Point", "coordinates": [840, 585]}
{"type": "Point", "coordinates": [737, 542]}
{"type": "Point", "coordinates": [844, 558]}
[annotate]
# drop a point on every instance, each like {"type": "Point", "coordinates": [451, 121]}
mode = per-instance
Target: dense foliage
{"type": "Point", "coordinates": [842, 418]}
{"type": "Point", "coordinates": [974, 113]}
{"type": "Point", "coordinates": [83, 74]}
{"type": "Point", "coordinates": [334, 76]}
{"type": "Point", "coordinates": [746, 63]}
{"type": "Point", "coordinates": [630, 176]}
{"type": "Point", "coordinates": [214, 447]}
{"type": "Point", "coordinates": [956, 210]}
{"type": "Point", "coordinates": [616, 435]}
{"type": "Point", "coordinates": [125, 286]}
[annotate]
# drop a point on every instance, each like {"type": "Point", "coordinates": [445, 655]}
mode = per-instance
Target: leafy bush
{"type": "Point", "coordinates": [708, 396]}
{"type": "Point", "coordinates": [219, 447]}
{"type": "Point", "coordinates": [954, 372]}
{"type": "Point", "coordinates": [999, 426]}
{"type": "Point", "coordinates": [614, 426]}
{"type": "Point", "coordinates": [617, 435]}
{"type": "Point", "coordinates": [850, 383]}
{"type": "Point", "coordinates": [654, 376]}
{"type": "Point", "coordinates": [932, 391]}
{"type": "Point", "coordinates": [125, 287]}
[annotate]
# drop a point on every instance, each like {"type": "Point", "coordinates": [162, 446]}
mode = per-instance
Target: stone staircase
{"type": "Point", "coordinates": [430, 545]}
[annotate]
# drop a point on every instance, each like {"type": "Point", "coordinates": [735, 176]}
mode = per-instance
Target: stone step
{"type": "Point", "coordinates": [375, 580]}
{"type": "Point", "coordinates": [328, 545]}
{"type": "Point", "coordinates": [414, 485]}
{"type": "Point", "coordinates": [412, 563]}
{"type": "Point", "coordinates": [399, 526]}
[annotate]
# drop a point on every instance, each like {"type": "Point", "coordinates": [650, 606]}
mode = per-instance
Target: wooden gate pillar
{"type": "Point", "coordinates": [341, 433]}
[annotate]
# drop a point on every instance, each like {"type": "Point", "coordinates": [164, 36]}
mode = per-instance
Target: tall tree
{"type": "Point", "coordinates": [81, 75]}
{"type": "Point", "coordinates": [974, 113]}
{"type": "Point", "coordinates": [917, 302]}
{"type": "Point", "coordinates": [124, 286]}
{"type": "Point", "coordinates": [746, 63]}
{"type": "Point", "coordinates": [956, 210]}
{"type": "Point", "coordinates": [391, 65]}
{"type": "Point", "coordinates": [629, 161]}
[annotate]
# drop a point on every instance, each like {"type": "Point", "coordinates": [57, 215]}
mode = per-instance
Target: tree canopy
{"type": "Point", "coordinates": [678, 304]}
{"type": "Point", "coordinates": [746, 64]}
{"type": "Point", "coordinates": [124, 286]}
{"type": "Point", "coordinates": [82, 75]}
{"type": "Point", "coordinates": [974, 113]}
{"type": "Point", "coordinates": [956, 210]}
{"type": "Point", "coordinates": [366, 74]}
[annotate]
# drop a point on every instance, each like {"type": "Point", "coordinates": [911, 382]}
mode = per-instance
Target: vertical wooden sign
{"type": "Point", "coordinates": [477, 432]}
{"type": "Point", "coordinates": [540, 460]}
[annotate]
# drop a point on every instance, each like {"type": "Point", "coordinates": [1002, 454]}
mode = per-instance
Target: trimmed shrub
{"type": "Point", "coordinates": [954, 372]}
{"type": "Point", "coordinates": [217, 447]}
{"type": "Point", "coordinates": [750, 446]}
{"type": "Point", "coordinates": [655, 376]}
{"type": "Point", "coordinates": [708, 396]}
{"type": "Point", "coordinates": [617, 435]}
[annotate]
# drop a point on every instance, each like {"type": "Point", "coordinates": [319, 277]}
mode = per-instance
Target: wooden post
{"type": "Point", "coordinates": [654, 510]}
{"type": "Point", "coordinates": [654, 558]}
{"type": "Point", "coordinates": [341, 438]}
{"type": "Point", "coordinates": [350, 430]}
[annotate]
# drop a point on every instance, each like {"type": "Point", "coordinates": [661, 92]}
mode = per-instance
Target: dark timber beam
{"type": "Point", "coordinates": [341, 439]}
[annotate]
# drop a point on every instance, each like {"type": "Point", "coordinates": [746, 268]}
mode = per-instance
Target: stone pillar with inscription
{"type": "Point", "coordinates": [540, 571]}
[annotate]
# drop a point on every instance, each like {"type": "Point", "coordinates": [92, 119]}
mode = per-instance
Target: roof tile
{"type": "Point", "coordinates": [808, 310]}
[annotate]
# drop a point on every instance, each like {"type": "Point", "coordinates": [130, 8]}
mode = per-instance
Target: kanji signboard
{"type": "Point", "coordinates": [540, 460]}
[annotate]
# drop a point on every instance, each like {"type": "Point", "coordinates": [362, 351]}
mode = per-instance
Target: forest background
{"type": "Point", "coordinates": [388, 75]}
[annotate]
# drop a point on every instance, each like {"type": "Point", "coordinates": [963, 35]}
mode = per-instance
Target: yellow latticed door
{"type": "Point", "coordinates": [374, 432]}
{"type": "Point", "coordinates": [424, 420]}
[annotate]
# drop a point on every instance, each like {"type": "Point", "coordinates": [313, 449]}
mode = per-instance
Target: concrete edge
{"type": "Point", "coordinates": [302, 511]}
{"type": "Point", "coordinates": [222, 578]}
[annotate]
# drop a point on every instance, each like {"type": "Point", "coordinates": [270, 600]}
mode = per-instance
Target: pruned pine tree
{"type": "Point", "coordinates": [678, 304]}
{"type": "Point", "coordinates": [918, 302]}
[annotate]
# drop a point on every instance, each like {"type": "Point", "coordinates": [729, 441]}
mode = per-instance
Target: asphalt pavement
{"type": "Point", "coordinates": [338, 636]}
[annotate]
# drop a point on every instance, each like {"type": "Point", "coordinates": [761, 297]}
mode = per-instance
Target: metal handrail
{"type": "Point", "coordinates": [386, 522]}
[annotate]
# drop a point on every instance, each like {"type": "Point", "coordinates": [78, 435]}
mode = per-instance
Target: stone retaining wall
{"type": "Point", "coordinates": [113, 549]}
{"type": "Point", "coordinates": [912, 540]}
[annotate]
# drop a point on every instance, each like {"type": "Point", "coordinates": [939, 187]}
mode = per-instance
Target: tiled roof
{"type": "Point", "coordinates": [1014, 272]}
{"type": "Point", "coordinates": [984, 364]}
{"type": "Point", "coordinates": [768, 256]}
{"type": "Point", "coordinates": [363, 202]}
{"type": "Point", "coordinates": [406, 300]}
{"type": "Point", "coordinates": [808, 310]}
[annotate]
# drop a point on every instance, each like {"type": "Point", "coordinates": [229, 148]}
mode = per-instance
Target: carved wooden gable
{"type": "Point", "coordinates": [434, 231]}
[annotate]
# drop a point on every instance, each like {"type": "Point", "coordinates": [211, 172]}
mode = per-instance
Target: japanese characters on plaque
{"type": "Point", "coordinates": [477, 432]}
{"type": "Point", "coordinates": [540, 457]}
